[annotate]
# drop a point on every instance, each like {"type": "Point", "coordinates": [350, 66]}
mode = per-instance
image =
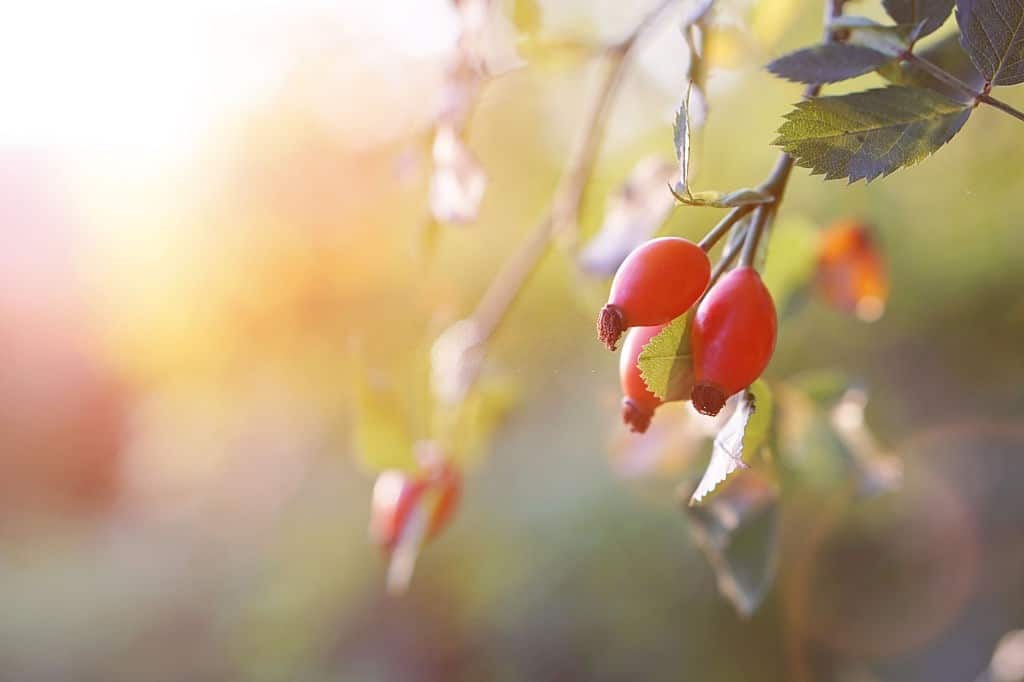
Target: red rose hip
{"type": "Point", "coordinates": [732, 338]}
{"type": "Point", "coordinates": [397, 495]}
{"type": "Point", "coordinates": [659, 281]}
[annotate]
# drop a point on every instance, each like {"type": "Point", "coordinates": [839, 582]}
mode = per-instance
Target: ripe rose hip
{"type": "Point", "coordinates": [659, 281]}
{"type": "Point", "coordinates": [638, 403]}
{"type": "Point", "coordinates": [397, 495]}
{"type": "Point", "coordinates": [732, 337]}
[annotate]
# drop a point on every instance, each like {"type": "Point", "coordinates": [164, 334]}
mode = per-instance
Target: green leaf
{"type": "Point", "coordinates": [890, 40]}
{"type": "Point", "coordinates": [828, 63]}
{"type": "Point", "coordinates": [867, 134]}
{"type": "Point", "coordinates": [666, 362]}
{"type": "Point", "coordinates": [992, 33]}
{"type": "Point", "coordinates": [745, 432]}
{"type": "Point", "coordinates": [739, 197]}
{"type": "Point", "coordinates": [381, 437]}
{"type": "Point", "coordinates": [947, 55]}
{"type": "Point", "coordinates": [931, 13]}
{"type": "Point", "coordinates": [738, 532]}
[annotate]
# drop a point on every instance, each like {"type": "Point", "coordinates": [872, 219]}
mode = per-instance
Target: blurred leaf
{"type": "Point", "coordinates": [992, 33]}
{"type": "Point", "coordinates": [465, 430]}
{"type": "Point", "coordinates": [381, 431]}
{"type": "Point", "coordinates": [827, 63]}
{"type": "Point", "coordinates": [824, 387]}
{"type": "Point", "coordinates": [793, 254]}
{"type": "Point", "coordinates": [770, 22]}
{"type": "Point", "coordinates": [807, 447]}
{"type": "Point", "coordinates": [947, 55]}
{"type": "Point", "coordinates": [632, 215]}
{"type": "Point", "coordinates": [738, 530]}
{"type": "Point", "coordinates": [932, 13]}
{"type": "Point", "coordinates": [458, 182]}
{"type": "Point", "coordinates": [824, 441]}
{"type": "Point", "coordinates": [745, 432]}
{"type": "Point", "coordinates": [874, 471]}
{"type": "Point", "coordinates": [739, 197]}
{"type": "Point", "coordinates": [890, 40]}
{"type": "Point", "coordinates": [867, 134]}
{"type": "Point", "coordinates": [666, 362]}
{"type": "Point", "coordinates": [526, 16]}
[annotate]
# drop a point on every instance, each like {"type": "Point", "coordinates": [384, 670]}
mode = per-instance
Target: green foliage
{"type": "Point", "coordinates": [745, 432]}
{"type": "Point", "coordinates": [465, 430]}
{"type": "Point", "coordinates": [867, 134]}
{"type": "Point", "coordinates": [992, 33]}
{"type": "Point", "coordinates": [738, 530]}
{"type": "Point", "coordinates": [381, 438]}
{"type": "Point", "coordinates": [666, 362]}
{"type": "Point", "coordinates": [930, 13]}
{"type": "Point", "coordinates": [947, 55]}
{"type": "Point", "coordinates": [828, 63]}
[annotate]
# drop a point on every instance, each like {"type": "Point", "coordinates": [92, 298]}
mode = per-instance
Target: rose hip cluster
{"type": "Point", "coordinates": [732, 331]}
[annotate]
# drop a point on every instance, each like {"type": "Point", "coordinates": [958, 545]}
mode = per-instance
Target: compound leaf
{"type": "Point", "coordinates": [867, 134]}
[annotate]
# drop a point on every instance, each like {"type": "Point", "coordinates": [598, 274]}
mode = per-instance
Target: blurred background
{"type": "Point", "coordinates": [224, 225]}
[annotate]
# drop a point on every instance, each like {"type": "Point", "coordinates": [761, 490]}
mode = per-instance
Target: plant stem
{"type": "Point", "coordinates": [732, 249]}
{"type": "Point", "coordinates": [946, 77]}
{"type": "Point", "coordinates": [775, 183]}
{"type": "Point", "coordinates": [1001, 105]}
{"type": "Point", "coordinates": [723, 226]}
{"type": "Point", "coordinates": [753, 237]}
{"type": "Point", "coordinates": [563, 210]}
{"type": "Point", "coordinates": [940, 74]}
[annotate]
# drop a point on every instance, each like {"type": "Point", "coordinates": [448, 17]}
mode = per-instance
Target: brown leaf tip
{"type": "Point", "coordinates": [610, 325]}
{"type": "Point", "coordinates": [635, 416]}
{"type": "Point", "coordinates": [708, 398]}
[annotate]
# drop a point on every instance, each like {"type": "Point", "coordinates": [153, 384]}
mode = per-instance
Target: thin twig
{"type": "Point", "coordinates": [1001, 105]}
{"type": "Point", "coordinates": [562, 213]}
{"type": "Point", "coordinates": [776, 182]}
{"type": "Point", "coordinates": [723, 226]}
{"type": "Point", "coordinates": [946, 77]}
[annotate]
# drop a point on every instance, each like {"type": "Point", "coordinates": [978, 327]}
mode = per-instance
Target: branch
{"type": "Point", "coordinates": [949, 79]}
{"type": "Point", "coordinates": [775, 184]}
{"type": "Point", "coordinates": [561, 215]}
